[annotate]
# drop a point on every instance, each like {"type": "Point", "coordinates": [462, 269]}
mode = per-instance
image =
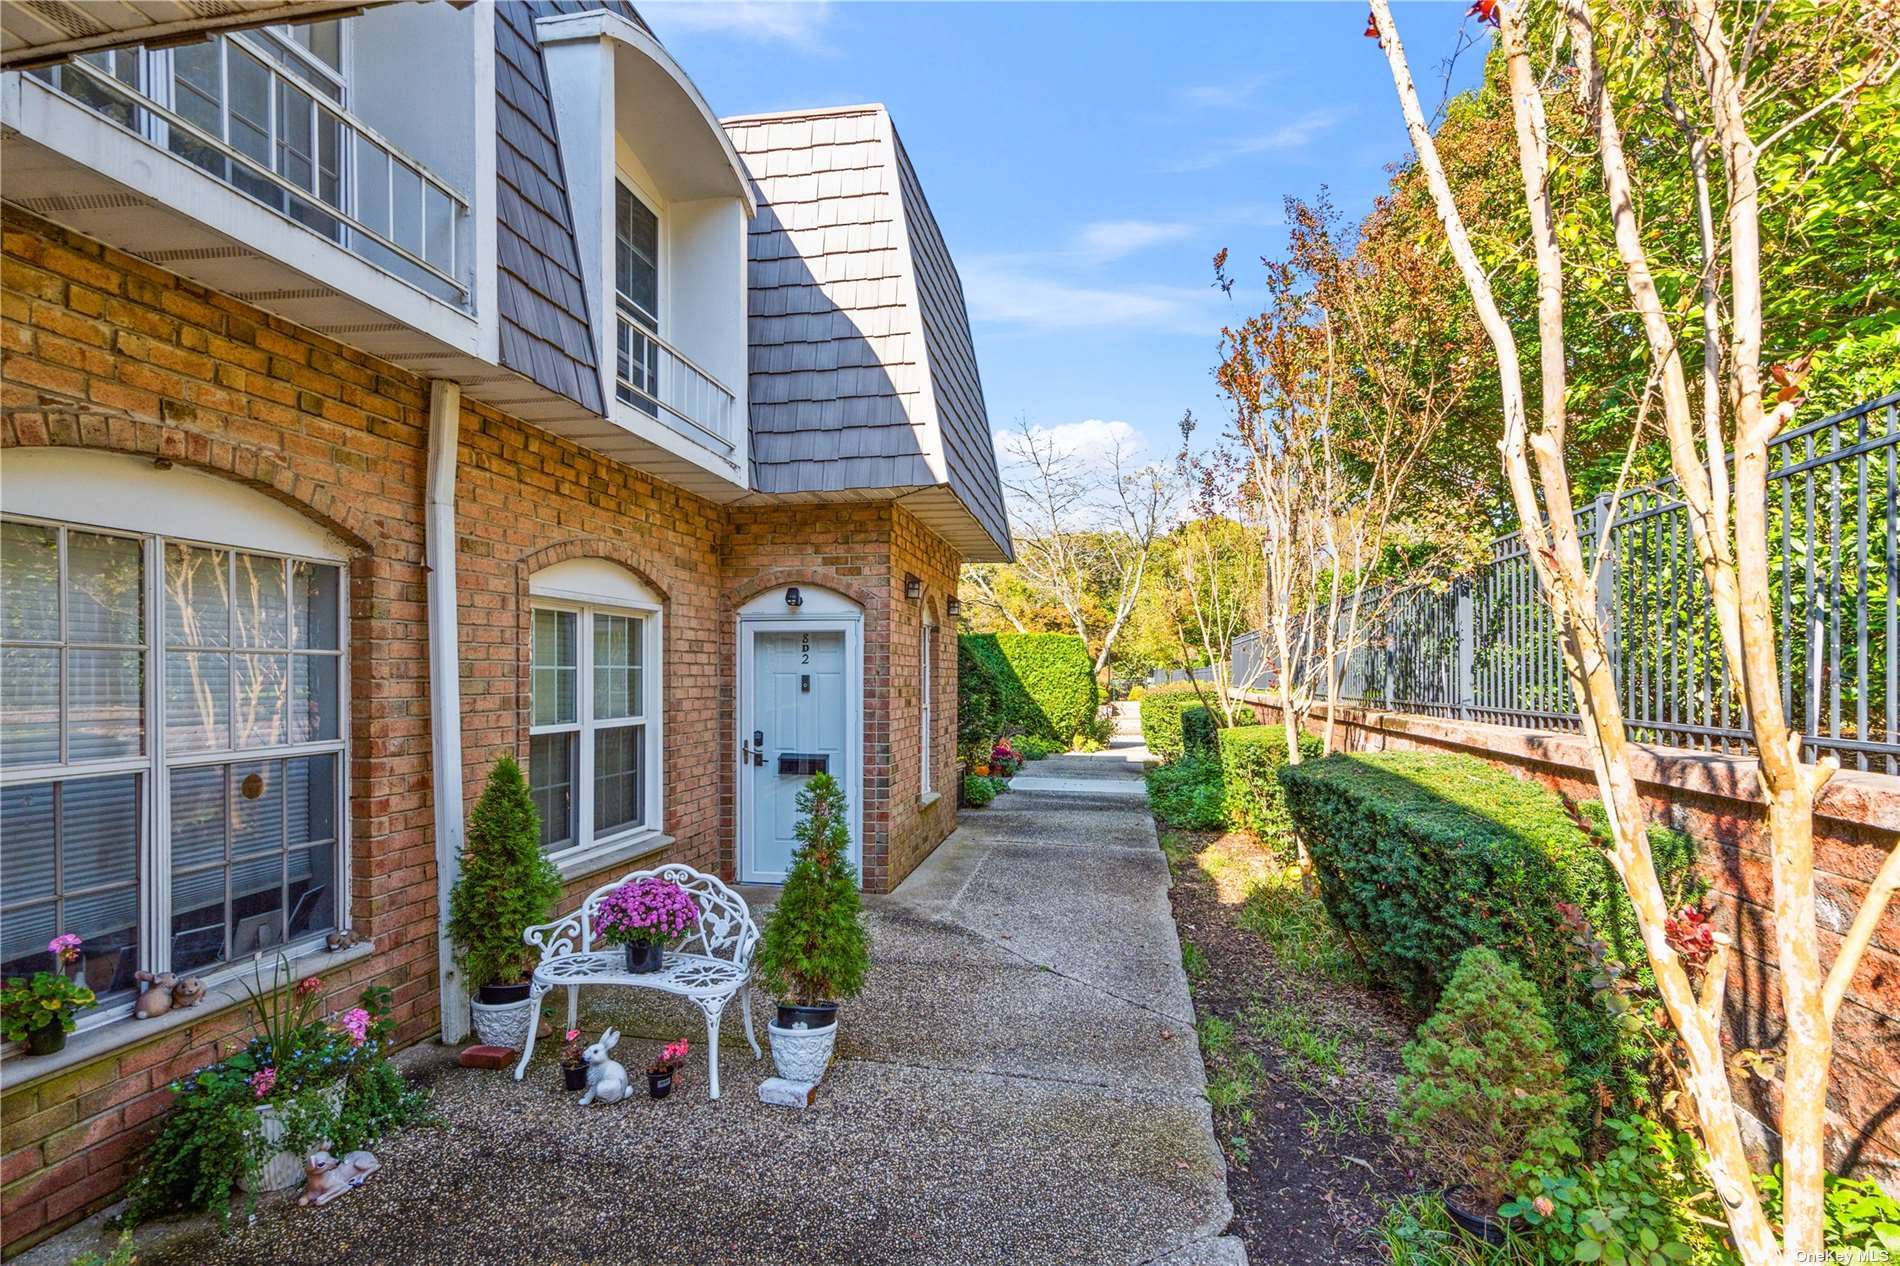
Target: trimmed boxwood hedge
{"type": "Point", "coordinates": [1166, 728]}
{"type": "Point", "coordinates": [1251, 758]}
{"type": "Point", "coordinates": [1421, 856]}
{"type": "Point", "coordinates": [1027, 683]}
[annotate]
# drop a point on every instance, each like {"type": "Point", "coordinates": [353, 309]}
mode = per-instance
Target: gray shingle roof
{"type": "Point", "coordinates": [545, 330]}
{"type": "Point", "coordinates": [862, 372]}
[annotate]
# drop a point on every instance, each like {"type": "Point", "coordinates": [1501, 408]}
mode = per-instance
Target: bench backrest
{"type": "Point", "coordinates": [725, 930]}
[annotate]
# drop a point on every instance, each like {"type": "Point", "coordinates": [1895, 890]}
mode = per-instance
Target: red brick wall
{"type": "Point", "coordinates": [1717, 801]}
{"type": "Point", "coordinates": [102, 350]}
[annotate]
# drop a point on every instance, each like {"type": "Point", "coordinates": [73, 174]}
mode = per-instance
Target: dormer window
{"type": "Point", "coordinates": [637, 297]}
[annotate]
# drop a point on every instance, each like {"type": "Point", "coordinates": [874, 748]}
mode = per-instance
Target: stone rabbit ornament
{"type": "Point", "coordinates": [325, 1177]}
{"type": "Point", "coordinates": [606, 1077]}
{"type": "Point", "coordinates": [165, 991]}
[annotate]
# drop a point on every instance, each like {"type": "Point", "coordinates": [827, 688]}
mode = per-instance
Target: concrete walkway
{"type": "Point", "coordinates": [1020, 1083]}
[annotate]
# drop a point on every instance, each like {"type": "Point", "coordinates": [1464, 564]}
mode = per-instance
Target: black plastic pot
{"type": "Point", "coordinates": [500, 995]}
{"type": "Point", "coordinates": [791, 1016]}
{"type": "Point", "coordinates": [46, 1039]}
{"type": "Point", "coordinates": [574, 1078]}
{"type": "Point", "coordinates": [660, 1085]}
{"type": "Point", "coordinates": [1462, 1204]}
{"type": "Point", "coordinates": [644, 957]}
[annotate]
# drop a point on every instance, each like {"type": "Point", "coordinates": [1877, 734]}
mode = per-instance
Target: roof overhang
{"type": "Point", "coordinates": [673, 130]}
{"type": "Point", "coordinates": [48, 31]}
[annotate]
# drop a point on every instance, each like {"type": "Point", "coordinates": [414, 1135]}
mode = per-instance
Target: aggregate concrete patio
{"type": "Point", "coordinates": [1019, 1083]}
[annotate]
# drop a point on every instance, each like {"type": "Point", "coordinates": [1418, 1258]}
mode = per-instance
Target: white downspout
{"type": "Point", "coordinates": [445, 690]}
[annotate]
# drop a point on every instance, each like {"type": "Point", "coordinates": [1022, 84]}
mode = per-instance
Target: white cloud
{"type": "Point", "coordinates": [1091, 437]}
{"type": "Point", "coordinates": [1018, 290]}
{"type": "Point", "coordinates": [1223, 96]}
{"type": "Point", "coordinates": [1292, 135]}
{"type": "Point", "coordinates": [796, 22]}
{"type": "Point", "coordinates": [1106, 240]}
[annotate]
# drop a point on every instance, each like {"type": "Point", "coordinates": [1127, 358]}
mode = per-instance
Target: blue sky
{"type": "Point", "coordinates": [1086, 160]}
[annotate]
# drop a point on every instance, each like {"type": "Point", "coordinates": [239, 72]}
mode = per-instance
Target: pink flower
{"type": "Point", "coordinates": [355, 1022]}
{"type": "Point", "coordinates": [308, 985]}
{"type": "Point", "coordinates": [675, 1051]}
{"type": "Point", "coordinates": [66, 947]}
{"type": "Point", "coordinates": [573, 1035]}
{"type": "Point", "coordinates": [650, 909]}
{"type": "Point", "coordinates": [262, 1080]}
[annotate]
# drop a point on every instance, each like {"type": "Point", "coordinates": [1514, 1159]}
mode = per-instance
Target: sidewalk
{"type": "Point", "coordinates": [1020, 1083]}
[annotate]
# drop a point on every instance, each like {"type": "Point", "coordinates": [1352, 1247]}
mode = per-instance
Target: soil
{"type": "Point", "coordinates": [1311, 1174]}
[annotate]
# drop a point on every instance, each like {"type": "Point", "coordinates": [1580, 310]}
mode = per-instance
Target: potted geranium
{"type": "Point", "coordinates": [813, 953]}
{"type": "Point", "coordinates": [39, 1009]}
{"type": "Point", "coordinates": [506, 885]}
{"type": "Point", "coordinates": [573, 1067]}
{"type": "Point", "coordinates": [660, 1071]}
{"type": "Point", "coordinates": [643, 915]}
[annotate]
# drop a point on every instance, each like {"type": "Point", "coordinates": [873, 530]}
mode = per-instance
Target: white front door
{"type": "Point", "coordinates": [796, 723]}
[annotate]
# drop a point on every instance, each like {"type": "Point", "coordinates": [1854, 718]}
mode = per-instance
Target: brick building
{"type": "Point", "coordinates": [350, 446]}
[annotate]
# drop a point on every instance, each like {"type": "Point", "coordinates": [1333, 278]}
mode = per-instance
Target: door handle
{"type": "Point", "coordinates": [753, 751]}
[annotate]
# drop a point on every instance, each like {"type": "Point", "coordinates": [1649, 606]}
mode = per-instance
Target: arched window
{"type": "Point", "coordinates": [594, 719]}
{"type": "Point", "coordinates": [173, 720]}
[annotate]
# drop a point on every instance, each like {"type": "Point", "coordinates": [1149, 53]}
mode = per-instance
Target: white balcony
{"type": "Point", "coordinates": [654, 377]}
{"type": "Point", "coordinates": [251, 124]}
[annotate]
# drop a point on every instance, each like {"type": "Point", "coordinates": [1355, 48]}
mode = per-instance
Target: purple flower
{"type": "Point", "coordinates": [355, 1022]}
{"type": "Point", "coordinates": [649, 909]}
{"type": "Point", "coordinates": [65, 947]}
{"type": "Point", "coordinates": [262, 1080]}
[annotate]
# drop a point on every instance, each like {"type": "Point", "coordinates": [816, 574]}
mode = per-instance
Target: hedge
{"type": "Point", "coordinates": [1037, 683]}
{"type": "Point", "coordinates": [1250, 760]}
{"type": "Point", "coordinates": [1421, 856]}
{"type": "Point", "coordinates": [1165, 724]}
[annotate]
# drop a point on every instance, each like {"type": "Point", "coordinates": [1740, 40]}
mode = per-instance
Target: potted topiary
{"type": "Point", "coordinates": [813, 952]}
{"type": "Point", "coordinates": [506, 886]}
{"type": "Point", "coordinates": [39, 1009]}
{"type": "Point", "coordinates": [1484, 1088]}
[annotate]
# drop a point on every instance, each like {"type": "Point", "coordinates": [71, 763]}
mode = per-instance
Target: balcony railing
{"type": "Point", "coordinates": [226, 108]}
{"type": "Point", "coordinates": [655, 378]}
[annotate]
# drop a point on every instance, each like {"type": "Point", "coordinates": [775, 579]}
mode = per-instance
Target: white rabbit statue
{"type": "Point", "coordinates": [606, 1078]}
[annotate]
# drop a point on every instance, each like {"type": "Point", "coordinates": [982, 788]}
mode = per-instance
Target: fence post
{"type": "Point", "coordinates": [1467, 648]}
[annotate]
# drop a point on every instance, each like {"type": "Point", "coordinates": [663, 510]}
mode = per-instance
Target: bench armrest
{"type": "Point", "coordinates": [563, 936]}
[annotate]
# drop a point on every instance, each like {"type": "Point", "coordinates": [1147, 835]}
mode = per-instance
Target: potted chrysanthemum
{"type": "Point", "coordinates": [643, 915]}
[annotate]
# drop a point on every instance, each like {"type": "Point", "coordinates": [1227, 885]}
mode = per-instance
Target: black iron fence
{"type": "Point", "coordinates": [1485, 647]}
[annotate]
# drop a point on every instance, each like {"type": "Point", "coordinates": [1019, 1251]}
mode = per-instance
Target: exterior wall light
{"type": "Point", "coordinates": [913, 588]}
{"type": "Point", "coordinates": [953, 608]}
{"type": "Point", "coordinates": [793, 598]}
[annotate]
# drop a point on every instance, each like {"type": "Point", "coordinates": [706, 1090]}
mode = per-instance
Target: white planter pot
{"type": "Point", "coordinates": [284, 1170]}
{"type": "Point", "coordinates": [802, 1055]}
{"type": "Point", "coordinates": [504, 1025]}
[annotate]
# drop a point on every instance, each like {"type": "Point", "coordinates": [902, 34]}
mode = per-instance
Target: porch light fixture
{"type": "Point", "coordinates": [953, 608]}
{"type": "Point", "coordinates": [913, 588]}
{"type": "Point", "coordinates": [793, 598]}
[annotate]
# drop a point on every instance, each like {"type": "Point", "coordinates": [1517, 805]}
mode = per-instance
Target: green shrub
{"type": "Point", "coordinates": [1420, 856]}
{"type": "Point", "coordinates": [1484, 1086]}
{"type": "Point", "coordinates": [1187, 794]}
{"type": "Point", "coordinates": [1040, 683]}
{"type": "Point", "coordinates": [1175, 722]}
{"type": "Point", "coordinates": [979, 698]}
{"type": "Point", "coordinates": [1856, 1214]}
{"type": "Point", "coordinates": [813, 948]}
{"type": "Point", "coordinates": [978, 790]}
{"type": "Point", "coordinates": [1034, 747]}
{"type": "Point", "coordinates": [1250, 760]}
{"type": "Point", "coordinates": [1636, 1204]}
{"type": "Point", "coordinates": [506, 884]}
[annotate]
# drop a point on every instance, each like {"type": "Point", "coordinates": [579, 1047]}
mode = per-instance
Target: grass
{"type": "Point", "coordinates": [1282, 909]}
{"type": "Point", "coordinates": [1418, 1232]}
{"type": "Point", "coordinates": [1309, 1056]}
{"type": "Point", "coordinates": [1188, 794]}
{"type": "Point", "coordinates": [1193, 962]}
{"type": "Point", "coordinates": [1234, 1077]}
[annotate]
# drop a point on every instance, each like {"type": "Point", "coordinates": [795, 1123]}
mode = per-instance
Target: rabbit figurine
{"type": "Point", "coordinates": [606, 1078]}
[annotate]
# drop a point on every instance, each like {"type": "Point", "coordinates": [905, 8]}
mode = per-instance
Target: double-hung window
{"type": "Point", "coordinates": [171, 750]}
{"type": "Point", "coordinates": [592, 758]}
{"type": "Point", "coordinates": [927, 686]}
{"type": "Point", "coordinates": [636, 300]}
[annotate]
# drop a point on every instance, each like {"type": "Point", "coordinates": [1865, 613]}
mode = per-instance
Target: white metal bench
{"type": "Point", "coordinates": [708, 965]}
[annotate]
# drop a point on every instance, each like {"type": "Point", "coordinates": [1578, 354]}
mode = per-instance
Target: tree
{"type": "Point", "coordinates": [813, 948]}
{"type": "Point", "coordinates": [1089, 527]}
{"type": "Point", "coordinates": [1799, 67]}
{"type": "Point", "coordinates": [507, 884]}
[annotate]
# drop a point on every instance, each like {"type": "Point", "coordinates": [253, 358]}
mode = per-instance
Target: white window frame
{"type": "Point", "coordinates": [155, 768]}
{"type": "Point", "coordinates": [584, 850]}
{"type": "Point", "coordinates": [927, 656]}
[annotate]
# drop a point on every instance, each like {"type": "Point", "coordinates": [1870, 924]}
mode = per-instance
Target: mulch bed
{"type": "Point", "coordinates": [1311, 1175]}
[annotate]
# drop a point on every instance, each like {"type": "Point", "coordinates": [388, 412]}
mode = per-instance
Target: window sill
{"type": "Point", "coordinates": [20, 1069]}
{"type": "Point", "coordinates": [929, 798]}
{"type": "Point", "coordinates": [597, 857]}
